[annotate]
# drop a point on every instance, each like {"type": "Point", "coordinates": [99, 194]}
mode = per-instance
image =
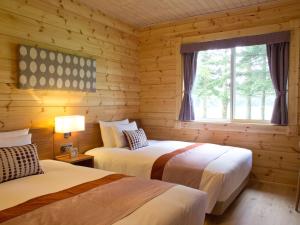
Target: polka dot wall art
{"type": "Point", "coordinates": [45, 69]}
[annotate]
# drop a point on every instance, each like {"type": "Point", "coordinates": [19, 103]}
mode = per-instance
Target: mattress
{"type": "Point", "coordinates": [219, 180]}
{"type": "Point", "coordinates": [179, 205]}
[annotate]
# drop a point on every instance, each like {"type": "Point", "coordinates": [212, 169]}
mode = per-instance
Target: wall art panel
{"type": "Point", "coordinates": [45, 69]}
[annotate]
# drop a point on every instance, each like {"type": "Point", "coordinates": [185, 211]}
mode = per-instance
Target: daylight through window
{"type": "Point", "coordinates": [233, 84]}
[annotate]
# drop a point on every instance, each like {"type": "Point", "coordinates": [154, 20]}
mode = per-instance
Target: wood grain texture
{"type": "Point", "coordinates": [147, 12]}
{"type": "Point", "coordinates": [84, 140]}
{"type": "Point", "coordinates": [43, 138]}
{"type": "Point", "coordinates": [138, 75]}
{"type": "Point", "coordinates": [260, 204]}
{"type": "Point", "coordinates": [70, 27]}
{"type": "Point", "coordinates": [275, 149]}
{"type": "Point", "coordinates": [49, 143]}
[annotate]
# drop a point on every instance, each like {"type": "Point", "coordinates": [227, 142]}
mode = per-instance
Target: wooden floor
{"type": "Point", "coordinates": [260, 204]}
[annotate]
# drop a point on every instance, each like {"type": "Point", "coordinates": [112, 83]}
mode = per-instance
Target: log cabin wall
{"type": "Point", "coordinates": [69, 27]}
{"type": "Point", "coordinates": [138, 74]}
{"type": "Point", "coordinates": [275, 149]}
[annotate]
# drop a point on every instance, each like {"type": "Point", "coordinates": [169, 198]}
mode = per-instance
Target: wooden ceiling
{"type": "Point", "coordinates": [142, 13]}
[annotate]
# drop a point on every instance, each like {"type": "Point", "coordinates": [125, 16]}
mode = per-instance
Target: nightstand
{"type": "Point", "coordinates": [80, 160]}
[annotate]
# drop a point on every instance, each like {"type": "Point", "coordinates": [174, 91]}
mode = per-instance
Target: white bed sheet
{"type": "Point", "coordinates": [177, 206]}
{"type": "Point", "coordinates": [219, 180]}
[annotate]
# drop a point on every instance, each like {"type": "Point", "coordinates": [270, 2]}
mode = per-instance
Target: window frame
{"type": "Point", "coordinates": [240, 125]}
{"type": "Point", "coordinates": [233, 97]}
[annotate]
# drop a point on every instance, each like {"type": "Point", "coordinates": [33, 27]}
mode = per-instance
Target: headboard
{"type": "Point", "coordinates": [49, 142]}
{"type": "Point", "coordinates": [88, 139]}
{"type": "Point", "coordinates": [43, 137]}
{"type": "Point", "coordinates": [85, 140]}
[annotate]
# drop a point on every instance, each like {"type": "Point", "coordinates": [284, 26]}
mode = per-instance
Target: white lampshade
{"type": "Point", "coordinates": [67, 124]}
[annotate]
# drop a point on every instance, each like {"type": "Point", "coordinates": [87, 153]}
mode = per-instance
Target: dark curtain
{"type": "Point", "coordinates": [278, 59]}
{"type": "Point", "coordinates": [189, 68]}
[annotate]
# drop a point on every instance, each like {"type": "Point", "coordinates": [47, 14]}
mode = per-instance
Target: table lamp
{"type": "Point", "coordinates": [67, 125]}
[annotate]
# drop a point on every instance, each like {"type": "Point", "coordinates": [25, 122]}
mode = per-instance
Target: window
{"type": "Point", "coordinates": [233, 84]}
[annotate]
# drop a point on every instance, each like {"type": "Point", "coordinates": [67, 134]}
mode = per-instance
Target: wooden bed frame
{"type": "Point", "coordinates": [49, 143]}
{"type": "Point", "coordinates": [43, 137]}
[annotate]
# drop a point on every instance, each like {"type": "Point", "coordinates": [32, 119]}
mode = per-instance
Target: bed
{"type": "Point", "coordinates": [47, 192]}
{"type": "Point", "coordinates": [178, 205]}
{"type": "Point", "coordinates": [222, 179]}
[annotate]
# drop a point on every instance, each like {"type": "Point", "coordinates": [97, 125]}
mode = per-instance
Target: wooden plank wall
{"type": "Point", "coordinates": [136, 75]}
{"type": "Point", "coordinates": [276, 152]}
{"type": "Point", "coordinates": [69, 27]}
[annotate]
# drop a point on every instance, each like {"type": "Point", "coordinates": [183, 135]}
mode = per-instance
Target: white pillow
{"type": "Point", "coordinates": [14, 133]}
{"type": "Point", "coordinates": [107, 133]}
{"type": "Point", "coordinates": [119, 137]}
{"type": "Point", "coordinates": [15, 141]}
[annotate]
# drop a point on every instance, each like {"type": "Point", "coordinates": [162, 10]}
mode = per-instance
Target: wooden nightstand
{"type": "Point", "coordinates": [80, 160]}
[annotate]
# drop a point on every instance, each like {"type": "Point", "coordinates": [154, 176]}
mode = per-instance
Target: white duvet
{"type": "Point", "coordinates": [219, 180]}
{"type": "Point", "coordinates": [177, 206]}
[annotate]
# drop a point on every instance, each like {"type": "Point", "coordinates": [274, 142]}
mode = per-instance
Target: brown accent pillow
{"type": "Point", "coordinates": [19, 161]}
{"type": "Point", "coordinates": [136, 138]}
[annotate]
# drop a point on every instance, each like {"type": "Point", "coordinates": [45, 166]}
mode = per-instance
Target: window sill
{"type": "Point", "coordinates": [261, 128]}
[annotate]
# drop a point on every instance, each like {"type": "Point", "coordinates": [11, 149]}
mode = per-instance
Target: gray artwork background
{"type": "Point", "coordinates": [27, 76]}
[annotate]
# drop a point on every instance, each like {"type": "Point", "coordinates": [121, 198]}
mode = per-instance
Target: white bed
{"type": "Point", "coordinates": [220, 180]}
{"type": "Point", "coordinates": [177, 206]}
